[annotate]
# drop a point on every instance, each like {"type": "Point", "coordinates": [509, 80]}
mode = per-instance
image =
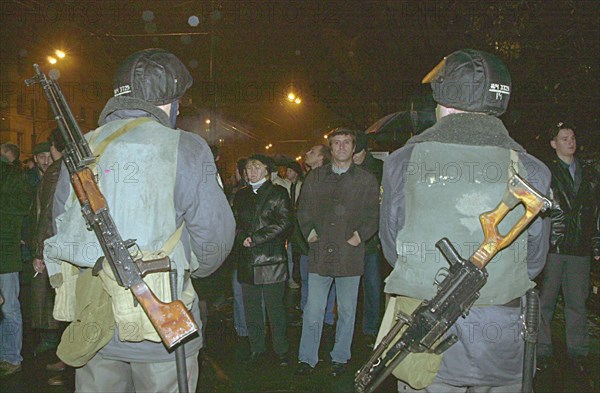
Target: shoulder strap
{"type": "Point", "coordinates": [99, 150]}
{"type": "Point", "coordinates": [513, 168]}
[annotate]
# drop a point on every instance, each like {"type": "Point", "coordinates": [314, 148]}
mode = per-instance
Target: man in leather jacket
{"type": "Point", "coordinates": [575, 235]}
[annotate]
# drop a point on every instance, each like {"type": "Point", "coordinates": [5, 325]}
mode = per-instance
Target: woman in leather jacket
{"type": "Point", "coordinates": [263, 216]}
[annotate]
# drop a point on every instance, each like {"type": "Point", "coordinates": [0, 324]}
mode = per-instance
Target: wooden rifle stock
{"type": "Point", "coordinates": [519, 191]}
{"type": "Point", "coordinates": [171, 320]}
{"type": "Point", "coordinates": [87, 190]}
{"type": "Point", "coordinates": [456, 292]}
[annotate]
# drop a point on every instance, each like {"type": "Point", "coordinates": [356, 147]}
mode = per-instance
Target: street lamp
{"type": "Point", "coordinates": [293, 98]}
{"type": "Point", "coordinates": [58, 54]}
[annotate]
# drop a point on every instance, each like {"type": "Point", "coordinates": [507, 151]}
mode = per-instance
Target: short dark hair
{"type": "Point", "coordinates": [214, 149]}
{"type": "Point", "coordinates": [57, 140]}
{"type": "Point", "coordinates": [14, 149]}
{"type": "Point", "coordinates": [241, 165]}
{"type": "Point", "coordinates": [326, 153]}
{"type": "Point", "coordinates": [342, 131]}
{"type": "Point", "coordinates": [561, 125]}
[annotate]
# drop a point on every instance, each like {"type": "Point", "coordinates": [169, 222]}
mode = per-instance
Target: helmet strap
{"type": "Point", "coordinates": [173, 113]}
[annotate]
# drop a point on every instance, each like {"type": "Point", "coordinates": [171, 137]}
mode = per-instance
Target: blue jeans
{"type": "Point", "coordinates": [372, 294]}
{"type": "Point", "coordinates": [11, 325]}
{"type": "Point", "coordinates": [314, 312]}
{"type": "Point", "coordinates": [329, 314]}
{"type": "Point", "coordinates": [239, 316]}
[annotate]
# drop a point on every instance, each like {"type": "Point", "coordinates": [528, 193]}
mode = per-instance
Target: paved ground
{"type": "Point", "coordinates": [223, 372]}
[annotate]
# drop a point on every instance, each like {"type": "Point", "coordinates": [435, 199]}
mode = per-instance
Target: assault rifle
{"type": "Point", "coordinates": [172, 321]}
{"type": "Point", "coordinates": [456, 293]}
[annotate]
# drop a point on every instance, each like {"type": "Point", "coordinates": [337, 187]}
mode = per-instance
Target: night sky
{"type": "Point", "coordinates": [351, 62]}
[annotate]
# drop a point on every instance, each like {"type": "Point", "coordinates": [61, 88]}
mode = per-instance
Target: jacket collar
{"type": "Point", "coordinates": [471, 129]}
{"type": "Point", "coordinates": [330, 171]}
{"type": "Point", "coordinates": [128, 108]}
{"type": "Point", "coordinates": [264, 187]}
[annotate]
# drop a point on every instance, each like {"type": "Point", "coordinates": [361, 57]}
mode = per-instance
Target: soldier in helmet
{"type": "Point", "coordinates": [437, 185]}
{"type": "Point", "coordinates": [160, 185]}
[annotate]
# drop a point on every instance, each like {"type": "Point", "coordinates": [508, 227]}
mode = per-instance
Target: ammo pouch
{"type": "Point", "coordinates": [131, 320]}
{"type": "Point", "coordinates": [65, 284]}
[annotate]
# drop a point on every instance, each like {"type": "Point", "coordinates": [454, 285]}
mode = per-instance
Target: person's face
{"type": "Point", "coordinates": [564, 143]}
{"type": "Point", "coordinates": [256, 171]}
{"type": "Point", "coordinates": [313, 157]}
{"type": "Point", "coordinates": [281, 170]}
{"type": "Point", "coordinates": [342, 148]}
{"type": "Point", "coordinates": [291, 175]}
{"type": "Point", "coordinates": [7, 154]}
{"type": "Point", "coordinates": [43, 160]}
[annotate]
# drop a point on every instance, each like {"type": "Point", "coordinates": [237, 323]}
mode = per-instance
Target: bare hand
{"type": "Point", "coordinates": [38, 265]}
{"type": "Point", "coordinates": [248, 242]}
{"type": "Point", "coordinates": [354, 240]}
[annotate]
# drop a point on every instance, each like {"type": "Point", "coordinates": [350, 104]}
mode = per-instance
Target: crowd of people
{"type": "Point", "coordinates": [322, 225]}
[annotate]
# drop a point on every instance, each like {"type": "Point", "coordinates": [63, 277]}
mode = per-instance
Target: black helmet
{"type": "Point", "coordinates": [153, 75]}
{"type": "Point", "coordinates": [471, 80]}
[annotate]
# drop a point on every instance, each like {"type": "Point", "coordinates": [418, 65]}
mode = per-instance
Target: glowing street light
{"type": "Point", "coordinates": [58, 54]}
{"type": "Point", "coordinates": [297, 100]}
{"type": "Point", "coordinates": [291, 97]}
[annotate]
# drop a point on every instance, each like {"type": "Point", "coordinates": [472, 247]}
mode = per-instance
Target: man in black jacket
{"type": "Point", "coordinates": [575, 235]}
{"type": "Point", "coordinates": [372, 277]}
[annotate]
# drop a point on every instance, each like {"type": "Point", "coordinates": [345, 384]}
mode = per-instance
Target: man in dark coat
{"type": "Point", "coordinates": [575, 236]}
{"type": "Point", "coordinates": [15, 199]}
{"type": "Point", "coordinates": [338, 212]}
{"type": "Point", "coordinates": [372, 278]}
{"type": "Point", "coordinates": [41, 228]}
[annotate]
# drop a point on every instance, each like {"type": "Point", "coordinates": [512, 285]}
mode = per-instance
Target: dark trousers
{"type": "Point", "coordinates": [372, 294]}
{"type": "Point", "coordinates": [572, 273]}
{"type": "Point", "coordinates": [273, 295]}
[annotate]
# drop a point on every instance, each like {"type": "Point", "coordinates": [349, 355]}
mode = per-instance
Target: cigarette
{"type": "Point", "coordinates": [36, 274]}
